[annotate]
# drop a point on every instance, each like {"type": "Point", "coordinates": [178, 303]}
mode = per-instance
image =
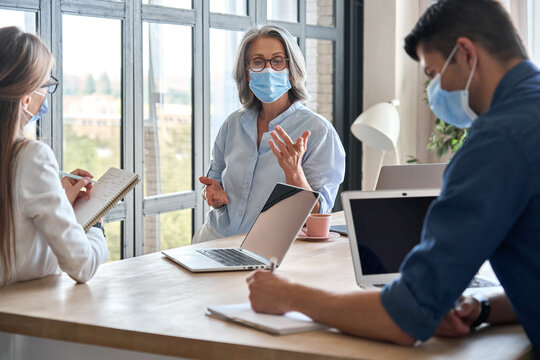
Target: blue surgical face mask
{"type": "Point", "coordinates": [452, 107]}
{"type": "Point", "coordinates": [42, 110]}
{"type": "Point", "coordinates": [269, 84]}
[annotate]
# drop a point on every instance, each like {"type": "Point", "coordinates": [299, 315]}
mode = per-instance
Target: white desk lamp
{"type": "Point", "coordinates": [378, 127]}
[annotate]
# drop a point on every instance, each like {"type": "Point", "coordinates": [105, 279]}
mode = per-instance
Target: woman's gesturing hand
{"type": "Point", "coordinates": [289, 154]}
{"type": "Point", "coordinates": [213, 193]}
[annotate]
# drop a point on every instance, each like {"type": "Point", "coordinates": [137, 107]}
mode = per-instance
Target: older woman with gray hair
{"type": "Point", "coordinates": [254, 148]}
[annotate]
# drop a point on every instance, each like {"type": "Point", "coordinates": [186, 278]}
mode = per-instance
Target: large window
{"type": "Point", "coordinates": [92, 100]}
{"type": "Point", "coordinates": [27, 21]}
{"type": "Point", "coordinates": [145, 86]}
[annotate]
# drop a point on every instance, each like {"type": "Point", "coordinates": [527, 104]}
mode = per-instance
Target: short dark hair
{"type": "Point", "coordinates": [483, 21]}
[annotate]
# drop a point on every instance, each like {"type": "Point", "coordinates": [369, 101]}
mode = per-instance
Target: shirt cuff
{"type": "Point", "coordinates": [406, 312]}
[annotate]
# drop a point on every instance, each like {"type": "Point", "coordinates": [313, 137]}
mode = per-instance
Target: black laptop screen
{"type": "Point", "coordinates": [386, 230]}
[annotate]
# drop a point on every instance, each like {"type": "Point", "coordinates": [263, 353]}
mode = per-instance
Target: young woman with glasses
{"type": "Point", "coordinates": [39, 234]}
{"type": "Point", "coordinates": [272, 138]}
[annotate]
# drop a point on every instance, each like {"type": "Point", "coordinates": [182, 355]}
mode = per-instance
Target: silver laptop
{"type": "Point", "coordinates": [272, 234]}
{"type": "Point", "coordinates": [411, 176]}
{"type": "Point", "coordinates": [383, 227]}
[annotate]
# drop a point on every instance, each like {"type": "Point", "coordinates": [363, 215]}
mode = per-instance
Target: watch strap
{"type": "Point", "coordinates": [485, 309]}
{"type": "Point", "coordinates": [99, 225]}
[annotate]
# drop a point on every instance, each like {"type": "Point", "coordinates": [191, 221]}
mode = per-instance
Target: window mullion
{"type": "Point", "coordinates": [201, 120]}
{"type": "Point", "coordinates": [137, 131]}
{"type": "Point", "coordinates": [53, 135]}
{"type": "Point", "coordinates": [302, 22]}
{"type": "Point", "coordinates": [129, 154]}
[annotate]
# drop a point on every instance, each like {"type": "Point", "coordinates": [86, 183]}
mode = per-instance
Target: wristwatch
{"type": "Point", "coordinates": [485, 308]}
{"type": "Point", "coordinates": [99, 225]}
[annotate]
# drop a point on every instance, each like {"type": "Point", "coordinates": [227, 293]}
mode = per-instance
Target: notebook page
{"type": "Point", "coordinates": [291, 322]}
{"type": "Point", "coordinates": [106, 192]}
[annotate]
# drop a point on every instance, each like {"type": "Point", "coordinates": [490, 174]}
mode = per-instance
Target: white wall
{"type": "Point", "coordinates": [389, 73]}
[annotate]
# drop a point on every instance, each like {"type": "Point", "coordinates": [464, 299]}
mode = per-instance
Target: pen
{"type": "Point", "coordinates": [76, 177]}
{"type": "Point", "coordinates": [273, 262]}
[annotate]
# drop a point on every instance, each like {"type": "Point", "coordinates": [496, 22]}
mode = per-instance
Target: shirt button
{"type": "Point", "coordinates": [240, 212]}
{"type": "Point", "coordinates": [246, 185]}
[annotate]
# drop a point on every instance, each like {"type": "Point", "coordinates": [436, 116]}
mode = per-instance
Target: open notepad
{"type": "Point", "coordinates": [109, 190]}
{"type": "Point", "coordinates": [290, 323]}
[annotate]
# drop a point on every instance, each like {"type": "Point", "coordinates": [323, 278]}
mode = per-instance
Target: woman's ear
{"type": "Point", "coordinates": [25, 101]}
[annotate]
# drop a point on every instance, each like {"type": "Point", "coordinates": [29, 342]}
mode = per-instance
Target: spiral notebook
{"type": "Point", "coordinates": [290, 323]}
{"type": "Point", "coordinates": [109, 190]}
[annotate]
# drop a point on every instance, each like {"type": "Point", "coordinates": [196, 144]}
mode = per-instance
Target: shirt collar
{"type": "Point", "coordinates": [249, 119]}
{"type": "Point", "coordinates": [512, 78]}
{"type": "Point", "coordinates": [284, 115]}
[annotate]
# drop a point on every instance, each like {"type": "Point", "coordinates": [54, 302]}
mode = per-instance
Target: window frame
{"type": "Point", "coordinates": [132, 14]}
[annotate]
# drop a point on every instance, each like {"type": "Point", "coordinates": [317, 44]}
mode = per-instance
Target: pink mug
{"type": "Point", "coordinates": [318, 225]}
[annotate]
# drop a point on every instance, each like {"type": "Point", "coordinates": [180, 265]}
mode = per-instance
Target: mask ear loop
{"type": "Point", "coordinates": [472, 73]}
{"type": "Point", "coordinates": [29, 113]}
{"type": "Point", "coordinates": [449, 59]}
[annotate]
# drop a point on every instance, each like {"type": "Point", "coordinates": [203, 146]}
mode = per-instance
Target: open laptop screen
{"type": "Point", "coordinates": [386, 230]}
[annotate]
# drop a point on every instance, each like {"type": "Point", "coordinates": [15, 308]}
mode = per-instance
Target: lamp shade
{"type": "Point", "coordinates": [378, 126]}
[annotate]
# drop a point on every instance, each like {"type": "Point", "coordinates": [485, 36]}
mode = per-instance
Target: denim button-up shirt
{"type": "Point", "coordinates": [488, 209]}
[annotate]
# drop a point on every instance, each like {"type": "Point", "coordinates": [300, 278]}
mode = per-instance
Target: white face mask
{"type": "Point", "coordinates": [452, 107]}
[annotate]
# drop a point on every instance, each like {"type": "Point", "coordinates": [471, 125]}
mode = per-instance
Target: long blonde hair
{"type": "Point", "coordinates": [25, 64]}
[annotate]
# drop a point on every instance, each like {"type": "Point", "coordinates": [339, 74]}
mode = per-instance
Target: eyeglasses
{"type": "Point", "coordinates": [257, 64]}
{"type": "Point", "coordinates": [51, 85]}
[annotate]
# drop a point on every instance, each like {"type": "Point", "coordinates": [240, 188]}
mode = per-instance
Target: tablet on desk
{"type": "Point", "coordinates": [340, 229]}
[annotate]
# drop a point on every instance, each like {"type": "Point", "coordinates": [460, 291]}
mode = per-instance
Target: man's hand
{"type": "Point", "coordinates": [458, 321]}
{"type": "Point", "coordinates": [268, 292]}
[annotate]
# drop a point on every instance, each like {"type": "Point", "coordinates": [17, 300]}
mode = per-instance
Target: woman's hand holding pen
{"type": "Point", "coordinates": [76, 189]}
{"type": "Point", "coordinates": [213, 193]}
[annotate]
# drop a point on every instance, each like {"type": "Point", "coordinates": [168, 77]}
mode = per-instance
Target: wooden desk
{"type": "Point", "coordinates": [150, 304]}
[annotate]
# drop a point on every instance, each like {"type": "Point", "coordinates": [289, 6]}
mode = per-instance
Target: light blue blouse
{"type": "Point", "coordinates": [248, 174]}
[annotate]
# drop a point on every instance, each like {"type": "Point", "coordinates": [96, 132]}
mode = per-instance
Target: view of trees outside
{"type": "Point", "coordinates": [168, 124]}
{"type": "Point", "coordinates": [174, 230]}
{"type": "Point", "coordinates": [223, 91]}
{"type": "Point", "coordinates": [92, 101]}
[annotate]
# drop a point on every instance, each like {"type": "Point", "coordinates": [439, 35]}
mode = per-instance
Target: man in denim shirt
{"type": "Point", "coordinates": [489, 206]}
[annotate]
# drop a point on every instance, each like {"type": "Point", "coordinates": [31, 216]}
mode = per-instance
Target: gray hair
{"type": "Point", "coordinates": [297, 65]}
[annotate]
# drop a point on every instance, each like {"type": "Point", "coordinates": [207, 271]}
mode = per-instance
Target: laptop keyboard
{"type": "Point", "coordinates": [230, 257]}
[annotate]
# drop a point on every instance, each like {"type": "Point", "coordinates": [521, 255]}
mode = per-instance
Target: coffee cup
{"type": "Point", "coordinates": [318, 225]}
